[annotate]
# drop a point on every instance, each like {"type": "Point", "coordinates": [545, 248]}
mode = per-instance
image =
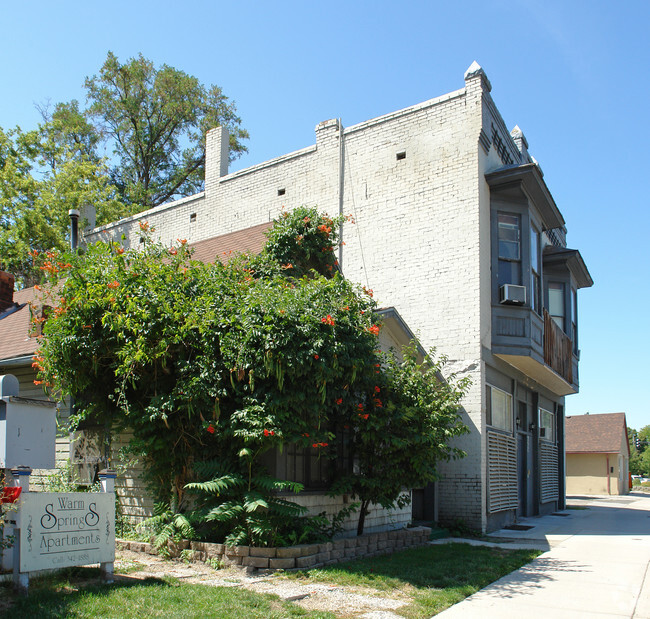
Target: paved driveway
{"type": "Point", "coordinates": [595, 565]}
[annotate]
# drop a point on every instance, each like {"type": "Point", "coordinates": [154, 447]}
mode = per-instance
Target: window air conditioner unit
{"type": "Point", "coordinates": [512, 295]}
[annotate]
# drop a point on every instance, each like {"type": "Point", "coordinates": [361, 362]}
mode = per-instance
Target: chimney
{"type": "Point", "coordinates": [74, 228]}
{"type": "Point", "coordinates": [6, 290]}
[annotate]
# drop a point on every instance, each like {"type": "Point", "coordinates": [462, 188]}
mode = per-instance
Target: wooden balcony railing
{"type": "Point", "coordinates": [558, 349]}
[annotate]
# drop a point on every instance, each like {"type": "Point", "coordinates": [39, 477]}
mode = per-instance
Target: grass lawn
{"type": "Point", "coordinates": [57, 597]}
{"type": "Point", "coordinates": [434, 577]}
{"type": "Point", "coordinates": [430, 578]}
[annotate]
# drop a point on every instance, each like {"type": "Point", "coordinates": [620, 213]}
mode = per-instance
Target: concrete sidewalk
{"type": "Point", "coordinates": [595, 565]}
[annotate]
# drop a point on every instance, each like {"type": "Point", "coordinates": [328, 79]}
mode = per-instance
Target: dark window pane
{"type": "Point", "coordinates": [509, 250]}
{"type": "Point", "coordinates": [509, 272]}
{"type": "Point", "coordinates": [488, 404]}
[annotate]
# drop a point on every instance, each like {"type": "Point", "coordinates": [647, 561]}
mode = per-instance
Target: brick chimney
{"type": "Point", "coordinates": [6, 290]}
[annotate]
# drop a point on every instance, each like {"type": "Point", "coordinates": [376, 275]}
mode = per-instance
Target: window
{"type": "Point", "coordinates": [499, 408]}
{"type": "Point", "coordinates": [556, 303]}
{"type": "Point", "coordinates": [546, 425]}
{"type": "Point", "coordinates": [535, 288]}
{"type": "Point", "coordinates": [306, 466]}
{"type": "Point", "coordinates": [313, 467]}
{"type": "Point", "coordinates": [574, 319]}
{"type": "Point", "coordinates": [509, 235]}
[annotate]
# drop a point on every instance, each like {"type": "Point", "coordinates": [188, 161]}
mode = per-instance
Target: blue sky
{"type": "Point", "coordinates": [573, 74]}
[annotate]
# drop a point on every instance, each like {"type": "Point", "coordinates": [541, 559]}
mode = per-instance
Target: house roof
{"type": "Point", "coordinates": [15, 341]}
{"type": "Point", "coordinates": [604, 433]}
{"type": "Point", "coordinates": [249, 240]}
{"type": "Point", "coordinates": [15, 322]}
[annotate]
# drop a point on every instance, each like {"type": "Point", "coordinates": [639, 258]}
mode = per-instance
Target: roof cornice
{"type": "Point", "coordinates": [528, 178]}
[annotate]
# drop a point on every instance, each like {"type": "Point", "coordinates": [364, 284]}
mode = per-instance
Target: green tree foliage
{"type": "Point", "coordinates": [225, 362]}
{"type": "Point", "coordinates": [155, 121]}
{"type": "Point", "coordinates": [403, 430]}
{"type": "Point", "coordinates": [43, 173]}
{"type": "Point", "coordinates": [152, 123]}
{"type": "Point", "coordinates": [639, 451]}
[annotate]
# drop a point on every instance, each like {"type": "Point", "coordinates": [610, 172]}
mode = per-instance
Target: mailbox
{"type": "Point", "coordinates": [27, 428]}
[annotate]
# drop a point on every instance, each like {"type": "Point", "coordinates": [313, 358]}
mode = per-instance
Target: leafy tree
{"type": "Point", "coordinates": [639, 452]}
{"type": "Point", "coordinates": [644, 437]}
{"type": "Point", "coordinates": [403, 431]}
{"type": "Point", "coordinates": [43, 173]}
{"type": "Point", "coordinates": [222, 363]}
{"type": "Point", "coordinates": [155, 121]}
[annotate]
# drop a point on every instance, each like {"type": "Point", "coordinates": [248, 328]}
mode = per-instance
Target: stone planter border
{"type": "Point", "coordinates": [305, 556]}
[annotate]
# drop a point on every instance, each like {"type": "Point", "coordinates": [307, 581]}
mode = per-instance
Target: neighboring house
{"type": "Point", "coordinates": [457, 229]}
{"type": "Point", "coordinates": [17, 347]}
{"type": "Point", "coordinates": [597, 454]}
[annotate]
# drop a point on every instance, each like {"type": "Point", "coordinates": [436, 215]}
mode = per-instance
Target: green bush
{"type": "Point", "coordinates": [224, 362]}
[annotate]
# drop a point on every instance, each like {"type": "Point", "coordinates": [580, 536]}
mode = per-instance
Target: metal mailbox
{"type": "Point", "coordinates": [27, 428]}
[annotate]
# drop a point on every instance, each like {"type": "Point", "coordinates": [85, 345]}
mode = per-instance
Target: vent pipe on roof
{"type": "Point", "coordinates": [74, 228]}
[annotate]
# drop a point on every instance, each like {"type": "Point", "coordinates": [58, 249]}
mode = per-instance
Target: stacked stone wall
{"type": "Point", "coordinates": [304, 556]}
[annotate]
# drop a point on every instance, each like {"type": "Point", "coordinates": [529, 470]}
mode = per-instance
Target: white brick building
{"type": "Point", "coordinates": [449, 207]}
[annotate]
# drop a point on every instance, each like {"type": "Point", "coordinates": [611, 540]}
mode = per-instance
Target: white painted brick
{"type": "Point", "coordinates": [421, 239]}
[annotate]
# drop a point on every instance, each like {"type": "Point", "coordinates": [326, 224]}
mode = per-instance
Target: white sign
{"type": "Point", "coordinates": [63, 529]}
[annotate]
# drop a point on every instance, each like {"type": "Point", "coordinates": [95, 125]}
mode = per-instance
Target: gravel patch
{"type": "Point", "coordinates": [343, 601]}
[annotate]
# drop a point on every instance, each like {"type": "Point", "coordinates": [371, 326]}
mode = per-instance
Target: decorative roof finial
{"type": "Point", "coordinates": [475, 70]}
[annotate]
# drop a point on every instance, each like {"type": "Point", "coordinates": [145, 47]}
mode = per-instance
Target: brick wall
{"type": "Point", "coordinates": [414, 182]}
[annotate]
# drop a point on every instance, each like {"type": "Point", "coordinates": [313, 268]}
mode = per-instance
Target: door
{"type": "Point", "coordinates": [522, 474]}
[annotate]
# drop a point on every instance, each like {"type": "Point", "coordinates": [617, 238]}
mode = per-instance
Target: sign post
{"type": "Point", "coordinates": [62, 529]}
{"type": "Point", "coordinates": [51, 529]}
{"type": "Point", "coordinates": [107, 479]}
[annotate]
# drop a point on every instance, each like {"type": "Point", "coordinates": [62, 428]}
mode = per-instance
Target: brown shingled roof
{"type": "Point", "coordinates": [250, 240]}
{"type": "Point", "coordinates": [602, 433]}
{"type": "Point", "coordinates": [14, 328]}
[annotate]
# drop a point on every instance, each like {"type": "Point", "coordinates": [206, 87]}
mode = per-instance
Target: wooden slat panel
{"type": "Point", "coordinates": [549, 472]}
{"type": "Point", "coordinates": [558, 349]}
{"type": "Point", "coordinates": [502, 472]}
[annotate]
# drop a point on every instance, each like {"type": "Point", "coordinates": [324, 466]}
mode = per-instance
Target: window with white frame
{"type": "Point", "coordinates": [546, 425]}
{"type": "Point", "coordinates": [556, 304]}
{"type": "Point", "coordinates": [499, 408]}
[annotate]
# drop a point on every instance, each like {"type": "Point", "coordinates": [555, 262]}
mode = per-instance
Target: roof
{"type": "Point", "coordinates": [528, 178]}
{"type": "Point", "coordinates": [15, 326]}
{"type": "Point", "coordinates": [604, 433]}
{"type": "Point", "coordinates": [250, 240]}
{"type": "Point", "coordinates": [574, 262]}
{"type": "Point", "coordinates": [15, 323]}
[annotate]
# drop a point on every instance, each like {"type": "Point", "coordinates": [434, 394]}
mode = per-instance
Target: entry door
{"type": "Point", "coordinates": [522, 474]}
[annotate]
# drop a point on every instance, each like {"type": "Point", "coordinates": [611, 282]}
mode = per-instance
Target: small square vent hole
{"type": "Point", "coordinates": [281, 192]}
{"type": "Point", "coordinates": [192, 217]}
{"type": "Point", "coordinates": [401, 155]}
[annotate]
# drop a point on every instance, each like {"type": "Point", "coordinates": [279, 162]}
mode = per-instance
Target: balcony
{"type": "Point", "coordinates": [558, 349]}
{"type": "Point", "coordinates": [536, 346]}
